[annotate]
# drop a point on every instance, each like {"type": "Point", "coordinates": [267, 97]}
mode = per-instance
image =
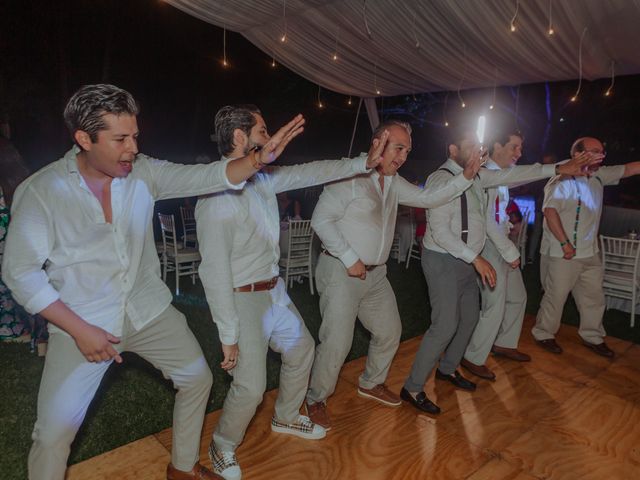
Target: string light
{"type": "Point", "coordinates": [320, 104]}
{"type": "Point", "coordinates": [349, 102]}
{"type": "Point", "coordinates": [224, 47]}
{"type": "Point", "coordinates": [273, 62]}
{"type": "Point", "coordinates": [364, 16]}
{"type": "Point", "coordinates": [575, 95]}
{"type": "Point", "coordinates": [413, 28]}
{"type": "Point", "coordinates": [495, 83]}
{"type": "Point", "coordinates": [515, 15]}
{"type": "Point", "coordinates": [444, 110]}
{"type": "Point", "coordinates": [375, 79]}
{"type": "Point", "coordinates": [551, 31]}
{"type": "Point", "coordinates": [613, 79]}
{"type": "Point", "coordinates": [464, 74]}
{"type": "Point", "coordinates": [283, 38]}
{"type": "Point", "coordinates": [335, 50]}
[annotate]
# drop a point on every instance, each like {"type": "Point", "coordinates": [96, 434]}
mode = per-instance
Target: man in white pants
{"type": "Point", "coordinates": [355, 219]}
{"type": "Point", "coordinates": [503, 306]}
{"type": "Point", "coordinates": [238, 234]}
{"type": "Point", "coordinates": [80, 252]}
{"type": "Point", "coordinates": [570, 259]}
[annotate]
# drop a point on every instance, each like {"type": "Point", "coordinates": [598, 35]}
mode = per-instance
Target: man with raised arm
{"type": "Point", "coordinates": [569, 254]}
{"type": "Point", "coordinates": [80, 252]}
{"type": "Point", "coordinates": [238, 234]}
{"type": "Point", "coordinates": [355, 219]}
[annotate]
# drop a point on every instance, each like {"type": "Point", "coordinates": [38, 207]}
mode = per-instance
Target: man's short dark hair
{"type": "Point", "coordinates": [86, 108]}
{"type": "Point", "coordinates": [390, 123]}
{"type": "Point", "coordinates": [231, 117]}
{"type": "Point", "coordinates": [502, 136]}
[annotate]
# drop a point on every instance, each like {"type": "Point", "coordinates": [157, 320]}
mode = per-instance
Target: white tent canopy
{"type": "Point", "coordinates": [402, 47]}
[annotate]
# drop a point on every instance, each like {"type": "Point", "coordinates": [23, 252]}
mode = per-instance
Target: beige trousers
{"type": "Point", "coordinates": [342, 299]}
{"type": "Point", "coordinates": [583, 278]}
{"type": "Point", "coordinates": [69, 383]}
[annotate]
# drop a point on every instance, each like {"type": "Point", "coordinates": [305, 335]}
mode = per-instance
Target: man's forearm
{"type": "Point", "coordinates": [631, 169]}
{"type": "Point", "coordinates": [63, 317]}
{"type": "Point", "coordinates": [555, 224]}
{"type": "Point", "coordinates": [240, 169]}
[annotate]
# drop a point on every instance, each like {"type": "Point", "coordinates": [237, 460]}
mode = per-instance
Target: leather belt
{"type": "Point", "coordinates": [368, 268]}
{"type": "Point", "coordinates": [258, 286]}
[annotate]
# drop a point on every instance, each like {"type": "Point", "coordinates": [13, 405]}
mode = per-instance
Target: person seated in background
{"type": "Point", "coordinates": [288, 207]}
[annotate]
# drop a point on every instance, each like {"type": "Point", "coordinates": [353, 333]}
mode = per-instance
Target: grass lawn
{"type": "Point", "coordinates": [134, 399]}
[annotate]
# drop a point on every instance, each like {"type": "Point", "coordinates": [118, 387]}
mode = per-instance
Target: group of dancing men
{"type": "Point", "coordinates": [80, 251]}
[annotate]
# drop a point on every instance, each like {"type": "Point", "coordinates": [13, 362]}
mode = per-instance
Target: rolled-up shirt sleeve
{"type": "Point", "coordinates": [28, 246]}
{"type": "Point", "coordinates": [215, 240]}
{"type": "Point", "coordinates": [174, 180]}
{"type": "Point", "coordinates": [331, 207]}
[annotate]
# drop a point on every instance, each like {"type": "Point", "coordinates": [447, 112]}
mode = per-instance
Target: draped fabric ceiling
{"type": "Point", "coordinates": [403, 47]}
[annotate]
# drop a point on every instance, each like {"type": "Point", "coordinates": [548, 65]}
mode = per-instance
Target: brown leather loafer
{"type": "Point", "coordinates": [198, 472]}
{"type": "Point", "coordinates": [600, 348]}
{"type": "Point", "coordinates": [550, 345]}
{"type": "Point", "coordinates": [318, 414]}
{"type": "Point", "coordinates": [510, 353]}
{"type": "Point", "coordinates": [478, 370]}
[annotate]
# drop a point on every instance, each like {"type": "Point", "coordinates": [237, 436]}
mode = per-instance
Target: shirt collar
{"type": "Point", "coordinates": [452, 165]}
{"type": "Point", "coordinates": [71, 159]}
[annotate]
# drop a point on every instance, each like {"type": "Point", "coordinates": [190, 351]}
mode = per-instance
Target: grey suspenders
{"type": "Point", "coordinates": [464, 214]}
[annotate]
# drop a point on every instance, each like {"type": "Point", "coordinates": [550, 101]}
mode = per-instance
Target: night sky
{"type": "Point", "coordinates": [171, 63]}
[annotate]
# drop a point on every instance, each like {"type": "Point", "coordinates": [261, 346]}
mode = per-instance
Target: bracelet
{"type": "Point", "coordinates": [255, 163]}
{"type": "Point", "coordinates": [562, 244]}
{"type": "Point", "coordinates": [557, 172]}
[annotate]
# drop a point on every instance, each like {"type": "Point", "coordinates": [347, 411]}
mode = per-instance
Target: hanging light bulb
{"type": "Point", "coordinates": [551, 31]}
{"type": "Point", "coordinates": [490, 107]}
{"type": "Point", "coordinates": [349, 101]}
{"type": "Point", "coordinates": [320, 105]}
{"type": "Point", "coordinates": [273, 62]}
{"type": "Point", "coordinates": [513, 27]}
{"type": "Point", "coordinates": [463, 105]}
{"type": "Point", "coordinates": [446, 124]}
{"type": "Point", "coordinates": [608, 92]}
{"type": "Point", "coordinates": [377, 91]}
{"type": "Point", "coordinates": [335, 57]}
{"type": "Point", "coordinates": [224, 63]}
{"type": "Point", "coordinates": [574, 98]}
{"type": "Point", "coordinates": [283, 38]}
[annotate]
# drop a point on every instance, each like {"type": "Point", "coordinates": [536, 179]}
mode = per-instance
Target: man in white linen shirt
{"type": "Point", "coordinates": [570, 259]}
{"type": "Point", "coordinates": [503, 306]}
{"type": "Point", "coordinates": [450, 259]}
{"type": "Point", "coordinates": [355, 219]}
{"type": "Point", "coordinates": [238, 233]}
{"type": "Point", "coordinates": [88, 219]}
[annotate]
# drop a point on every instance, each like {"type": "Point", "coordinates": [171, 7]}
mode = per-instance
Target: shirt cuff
{"type": "Point", "coordinates": [468, 255]}
{"type": "Point", "coordinates": [549, 170]}
{"type": "Point", "coordinates": [361, 163]}
{"type": "Point", "coordinates": [230, 185]}
{"type": "Point", "coordinates": [228, 336]}
{"type": "Point", "coordinates": [349, 258]}
{"type": "Point", "coordinates": [42, 300]}
{"type": "Point", "coordinates": [512, 253]}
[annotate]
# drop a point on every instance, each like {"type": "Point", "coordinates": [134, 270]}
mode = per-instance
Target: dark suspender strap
{"type": "Point", "coordinates": [464, 212]}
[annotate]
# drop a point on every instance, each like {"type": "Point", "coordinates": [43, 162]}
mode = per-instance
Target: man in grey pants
{"type": "Point", "coordinates": [80, 252]}
{"type": "Point", "coordinates": [451, 258]}
{"type": "Point", "coordinates": [355, 220]}
{"type": "Point", "coordinates": [238, 234]}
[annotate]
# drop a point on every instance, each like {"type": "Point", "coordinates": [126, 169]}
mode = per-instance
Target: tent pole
{"type": "Point", "coordinates": [355, 125]}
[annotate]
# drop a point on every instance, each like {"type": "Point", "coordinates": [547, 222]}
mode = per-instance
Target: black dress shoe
{"type": "Point", "coordinates": [421, 402]}
{"type": "Point", "coordinates": [600, 348]}
{"type": "Point", "coordinates": [458, 380]}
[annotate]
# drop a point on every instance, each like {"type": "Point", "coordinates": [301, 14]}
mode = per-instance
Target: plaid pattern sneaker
{"type": "Point", "coordinates": [224, 463]}
{"type": "Point", "coordinates": [302, 427]}
{"type": "Point", "coordinates": [381, 394]}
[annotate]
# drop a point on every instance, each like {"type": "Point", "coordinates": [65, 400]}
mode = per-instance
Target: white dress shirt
{"type": "Point", "coordinates": [59, 245]}
{"type": "Point", "coordinates": [444, 223]}
{"type": "Point", "coordinates": [561, 193]}
{"type": "Point", "coordinates": [498, 231]}
{"type": "Point", "coordinates": [238, 234]}
{"type": "Point", "coordinates": [356, 220]}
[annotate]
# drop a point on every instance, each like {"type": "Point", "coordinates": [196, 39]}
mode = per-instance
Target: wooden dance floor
{"type": "Point", "coordinates": [569, 416]}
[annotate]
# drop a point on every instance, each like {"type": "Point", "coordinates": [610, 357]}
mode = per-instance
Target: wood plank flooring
{"type": "Point", "coordinates": [569, 416]}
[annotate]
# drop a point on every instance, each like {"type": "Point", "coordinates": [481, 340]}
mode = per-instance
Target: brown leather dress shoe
{"type": "Point", "coordinates": [600, 348]}
{"type": "Point", "coordinates": [510, 353]}
{"type": "Point", "coordinates": [198, 472]}
{"type": "Point", "coordinates": [550, 345]}
{"type": "Point", "coordinates": [478, 370]}
{"type": "Point", "coordinates": [318, 414]}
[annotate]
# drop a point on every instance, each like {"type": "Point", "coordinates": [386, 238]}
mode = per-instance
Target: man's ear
{"type": "Point", "coordinates": [83, 139]}
{"type": "Point", "coordinates": [453, 151]}
{"type": "Point", "coordinates": [239, 138]}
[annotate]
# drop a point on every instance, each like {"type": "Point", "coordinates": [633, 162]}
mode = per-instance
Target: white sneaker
{"type": "Point", "coordinates": [224, 464]}
{"type": "Point", "coordinates": [303, 427]}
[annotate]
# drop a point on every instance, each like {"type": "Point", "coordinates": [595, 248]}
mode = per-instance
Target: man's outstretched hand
{"type": "Point", "coordinates": [276, 145]}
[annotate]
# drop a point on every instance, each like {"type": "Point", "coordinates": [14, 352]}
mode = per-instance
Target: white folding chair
{"type": "Point", "coordinates": [297, 262]}
{"type": "Point", "coordinates": [414, 252]}
{"type": "Point", "coordinates": [187, 215]}
{"type": "Point", "coordinates": [620, 264]}
{"type": "Point", "coordinates": [176, 258]}
{"type": "Point", "coordinates": [522, 238]}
